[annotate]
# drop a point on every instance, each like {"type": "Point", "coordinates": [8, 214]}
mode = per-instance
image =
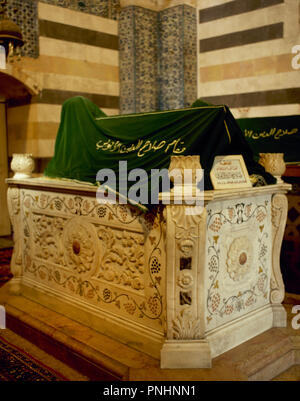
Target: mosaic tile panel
{"type": "Point", "coordinates": [25, 14]}
{"type": "Point", "coordinates": [138, 36]}
{"type": "Point", "coordinates": [178, 55]}
{"type": "Point", "coordinates": [158, 58]}
{"type": "Point", "coordinates": [127, 61]}
{"type": "Point", "coordinates": [190, 54]}
{"type": "Point", "coordinates": [171, 58]}
{"type": "Point", "coordinates": [103, 8]}
{"type": "Point", "coordinates": [146, 60]}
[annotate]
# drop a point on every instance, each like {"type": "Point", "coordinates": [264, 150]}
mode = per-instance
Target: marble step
{"type": "Point", "coordinates": [273, 354]}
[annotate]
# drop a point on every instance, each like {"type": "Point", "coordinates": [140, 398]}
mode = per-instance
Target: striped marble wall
{"type": "Point", "coordinates": [245, 55]}
{"type": "Point", "coordinates": [77, 55]}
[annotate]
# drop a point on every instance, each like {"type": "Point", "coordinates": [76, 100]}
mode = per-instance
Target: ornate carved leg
{"type": "Point", "coordinates": [185, 346]}
{"type": "Point", "coordinates": [13, 201]}
{"type": "Point", "coordinates": [277, 291]}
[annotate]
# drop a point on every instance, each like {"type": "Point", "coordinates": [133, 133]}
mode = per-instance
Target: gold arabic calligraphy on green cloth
{"type": "Point", "coordinates": [279, 134]}
{"type": "Point", "coordinates": [88, 140]}
{"type": "Point", "coordinates": [142, 146]}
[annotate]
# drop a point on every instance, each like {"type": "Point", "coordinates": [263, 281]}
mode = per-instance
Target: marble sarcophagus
{"type": "Point", "coordinates": [181, 287]}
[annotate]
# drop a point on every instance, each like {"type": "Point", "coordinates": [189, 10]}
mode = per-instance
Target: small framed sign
{"type": "Point", "coordinates": [230, 172]}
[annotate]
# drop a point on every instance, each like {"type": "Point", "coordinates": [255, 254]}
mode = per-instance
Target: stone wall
{"type": "Point", "coordinates": [245, 55]}
{"type": "Point", "coordinates": [75, 53]}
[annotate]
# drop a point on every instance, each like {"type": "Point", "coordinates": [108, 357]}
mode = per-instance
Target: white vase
{"type": "Point", "coordinates": [22, 165]}
{"type": "Point", "coordinates": [273, 164]}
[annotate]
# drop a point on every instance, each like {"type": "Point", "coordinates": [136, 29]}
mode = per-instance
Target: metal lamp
{"type": "Point", "coordinates": [11, 39]}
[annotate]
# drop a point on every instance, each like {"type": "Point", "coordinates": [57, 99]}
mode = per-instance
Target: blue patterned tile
{"type": "Point", "coordinates": [171, 58]}
{"type": "Point", "coordinates": [24, 14]}
{"type": "Point", "coordinates": [158, 58]}
{"type": "Point", "coordinates": [127, 60]}
{"type": "Point", "coordinates": [103, 8]}
{"type": "Point", "coordinates": [138, 38]}
{"type": "Point", "coordinates": [190, 55]}
{"type": "Point", "coordinates": [178, 57]}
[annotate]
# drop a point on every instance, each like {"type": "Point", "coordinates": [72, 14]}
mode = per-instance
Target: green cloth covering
{"type": "Point", "coordinates": [88, 140]}
{"type": "Point", "coordinates": [273, 135]}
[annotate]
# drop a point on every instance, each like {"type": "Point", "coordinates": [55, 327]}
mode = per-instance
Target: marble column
{"type": "Point", "coordinates": [158, 55]}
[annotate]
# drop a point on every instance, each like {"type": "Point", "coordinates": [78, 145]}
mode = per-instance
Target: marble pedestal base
{"type": "Point", "coordinates": [193, 354]}
{"type": "Point", "coordinates": [101, 358]}
{"type": "Point", "coordinates": [199, 353]}
{"type": "Point", "coordinates": [178, 283]}
{"type": "Point", "coordinates": [237, 332]}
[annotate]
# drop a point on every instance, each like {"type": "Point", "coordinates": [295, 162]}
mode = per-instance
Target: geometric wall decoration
{"type": "Point", "coordinates": [158, 54]}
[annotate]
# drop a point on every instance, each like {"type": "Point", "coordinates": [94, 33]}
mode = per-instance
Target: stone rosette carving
{"type": "Point", "coordinates": [185, 280]}
{"type": "Point", "coordinates": [80, 240]}
{"type": "Point", "coordinates": [186, 247]}
{"type": "Point", "coordinates": [239, 258]}
{"type": "Point", "coordinates": [246, 256]}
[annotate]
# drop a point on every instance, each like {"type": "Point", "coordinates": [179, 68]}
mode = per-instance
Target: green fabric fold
{"type": "Point", "coordinates": [88, 140]}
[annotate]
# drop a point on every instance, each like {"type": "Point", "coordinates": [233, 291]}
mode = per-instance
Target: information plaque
{"type": "Point", "coordinates": [230, 172]}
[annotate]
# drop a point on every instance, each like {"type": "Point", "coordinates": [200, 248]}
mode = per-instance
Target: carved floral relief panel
{"type": "Point", "coordinates": [111, 256]}
{"type": "Point", "coordinates": [238, 258]}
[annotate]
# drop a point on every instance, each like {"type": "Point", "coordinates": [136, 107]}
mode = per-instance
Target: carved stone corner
{"type": "Point", "coordinates": [13, 202]}
{"type": "Point", "coordinates": [279, 217]}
